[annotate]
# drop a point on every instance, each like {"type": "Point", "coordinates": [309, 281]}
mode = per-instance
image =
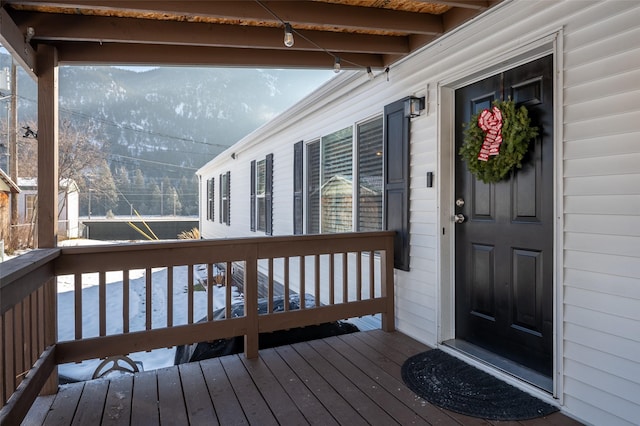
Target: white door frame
{"type": "Point", "coordinates": [465, 75]}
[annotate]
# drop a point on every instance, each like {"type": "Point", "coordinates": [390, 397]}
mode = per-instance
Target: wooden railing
{"type": "Point", "coordinates": [348, 275]}
{"type": "Point", "coordinates": [27, 331]}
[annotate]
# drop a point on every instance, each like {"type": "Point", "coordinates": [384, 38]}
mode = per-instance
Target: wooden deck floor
{"type": "Point", "coordinates": [353, 379]}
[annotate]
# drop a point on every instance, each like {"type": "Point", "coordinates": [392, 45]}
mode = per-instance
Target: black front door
{"type": "Point", "coordinates": [504, 248]}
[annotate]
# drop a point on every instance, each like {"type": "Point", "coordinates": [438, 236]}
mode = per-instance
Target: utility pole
{"type": "Point", "coordinates": [13, 146]}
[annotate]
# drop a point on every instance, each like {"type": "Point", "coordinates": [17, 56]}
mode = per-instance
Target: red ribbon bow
{"type": "Point", "coordinates": [490, 121]}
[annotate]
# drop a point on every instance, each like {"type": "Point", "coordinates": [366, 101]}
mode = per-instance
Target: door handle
{"type": "Point", "coordinates": [459, 218]}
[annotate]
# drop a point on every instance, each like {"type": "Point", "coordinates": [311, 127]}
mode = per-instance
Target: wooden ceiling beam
{"type": "Point", "coordinates": [79, 53]}
{"type": "Point", "coordinates": [465, 4]}
{"type": "Point", "coordinates": [456, 17]}
{"type": "Point", "coordinates": [62, 27]}
{"type": "Point", "coordinates": [326, 15]}
{"type": "Point", "coordinates": [13, 39]}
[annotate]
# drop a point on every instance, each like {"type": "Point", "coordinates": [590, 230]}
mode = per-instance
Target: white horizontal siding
{"type": "Point", "coordinates": [602, 224]}
{"type": "Point", "coordinates": [602, 283]}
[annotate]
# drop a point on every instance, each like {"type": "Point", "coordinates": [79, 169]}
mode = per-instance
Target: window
{"type": "Point", "coordinates": [210, 199]}
{"type": "Point", "coordinates": [225, 198]}
{"type": "Point", "coordinates": [370, 175]}
{"type": "Point", "coordinates": [331, 173]}
{"type": "Point", "coordinates": [330, 183]}
{"type": "Point", "coordinates": [261, 194]}
{"type": "Point", "coordinates": [30, 200]}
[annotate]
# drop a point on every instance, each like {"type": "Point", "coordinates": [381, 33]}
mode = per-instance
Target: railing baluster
{"type": "Point", "coordinates": [50, 309]}
{"type": "Point", "coordinates": [170, 296]}
{"type": "Point", "coordinates": [228, 283]}
{"type": "Point", "coordinates": [372, 275]}
{"type": "Point", "coordinates": [148, 310]}
{"type": "Point", "coordinates": [8, 350]}
{"type": "Point", "coordinates": [332, 279]}
{"type": "Point", "coordinates": [190, 294]}
{"type": "Point", "coordinates": [125, 301]}
{"type": "Point", "coordinates": [102, 301]}
{"type": "Point", "coordinates": [317, 278]}
{"type": "Point", "coordinates": [41, 319]}
{"type": "Point", "coordinates": [270, 284]}
{"type": "Point", "coordinates": [209, 291]}
{"type": "Point", "coordinates": [26, 321]}
{"type": "Point", "coordinates": [77, 300]}
{"type": "Point", "coordinates": [18, 342]}
{"type": "Point", "coordinates": [286, 284]}
{"type": "Point", "coordinates": [33, 332]}
{"type": "Point", "coordinates": [303, 282]}
{"type": "Point", "coordinates": [358, 275]}
{"type": "Point", "coordinates": [345, 283]}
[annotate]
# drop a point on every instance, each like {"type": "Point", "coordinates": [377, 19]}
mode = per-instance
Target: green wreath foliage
{"type": "Point", "coordinates": [517, 132]}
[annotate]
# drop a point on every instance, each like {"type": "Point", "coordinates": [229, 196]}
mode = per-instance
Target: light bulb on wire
{"type": "Point", "coordinates": [336, 65]}
{"type": "Point", "coordinates": [288, 35]}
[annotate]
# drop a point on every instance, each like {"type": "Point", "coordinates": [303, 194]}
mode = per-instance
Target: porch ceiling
{"type": "Point", "coordinates": [362, 33]}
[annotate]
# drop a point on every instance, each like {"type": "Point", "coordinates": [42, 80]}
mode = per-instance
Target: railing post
{"type": "Point", "coordinates": [50, 331]}
{"type": "Point", "coordinates": [251, 303]}
{"type": "Point", "coordinates": [388, 287]}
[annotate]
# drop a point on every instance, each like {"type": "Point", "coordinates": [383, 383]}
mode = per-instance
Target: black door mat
{"type": "Point", "coordinates": [450, 383]}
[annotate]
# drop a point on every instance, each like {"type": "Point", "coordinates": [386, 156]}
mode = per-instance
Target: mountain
{"type": "Point", "coordinates": [168, 121]}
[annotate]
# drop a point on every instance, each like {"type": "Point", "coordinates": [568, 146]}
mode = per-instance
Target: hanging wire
{"type": "Point", "coordinates": [307, 39]}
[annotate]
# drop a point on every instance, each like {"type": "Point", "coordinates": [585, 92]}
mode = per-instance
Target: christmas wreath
{"type": "Point", "coordinates": [496, 140]}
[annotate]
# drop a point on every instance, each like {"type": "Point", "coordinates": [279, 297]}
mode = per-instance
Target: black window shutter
{"type": "Point", "coordinates": [210, 194]}
{"type": "Point", "coordinates": [268, 195]}
{"type": "Point", "coordinates": [297, 188]}
{"type": "Point", "coordinates": [228, 199]}
{"type": "Point", "coordinates": [396, 180]}
{"type": "Point", "coordinates": [253, 195]}
{"type": "Point", "coordinates": [220, 205]}
{"type": "Point", "coordinates": [209, 199]}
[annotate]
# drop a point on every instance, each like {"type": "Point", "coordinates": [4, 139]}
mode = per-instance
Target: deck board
{"type": "Point", "coordinates": [340, 409]}
{"type": "Point", "coordinates": [387, 374]}
{"type": "Point", "coordinates": [303, 398]}
{"type": "Point", "coordinates": [253, 404]}
{"type": "Point", "coordinates": [199, 406]}
{"type": "Point", "coordinates": [117, 408]}
{"type": "Point", "coordinates": [277, 399]}
{"type": "Point", "coordinates": [64, 406]}
{"type": "Point", "coordinates": [144, 402]}
{"type": "Point", "coordinates": [352, 379]}
{"type": "Point", "coordinates": [171, 398]}
{"type": "Point", "coordinates": [379, 395]}
{"type": "Point", "coordinates": [371, 412]}
{"type": "Point", "coordinates": [224, 399]}
{"type": "Point", "coordinates": [91, 404]}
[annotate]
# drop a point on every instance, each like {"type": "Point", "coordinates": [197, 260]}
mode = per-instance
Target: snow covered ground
{"type": "Point", "coordinates": [137, 310]}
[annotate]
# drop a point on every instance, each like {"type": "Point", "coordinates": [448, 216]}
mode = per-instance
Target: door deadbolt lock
{"type": "Point", "coordinates": [459, 218]}
{"type": "Point", "coordinates": [459, 202]}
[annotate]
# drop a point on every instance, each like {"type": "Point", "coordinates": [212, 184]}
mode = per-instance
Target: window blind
{"type": "Point", "coordinates": [313, 187]}
{"type": "Point", "coordinates": [370, 175]}
{"type": "Point", "coordinates": [337, 181]}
